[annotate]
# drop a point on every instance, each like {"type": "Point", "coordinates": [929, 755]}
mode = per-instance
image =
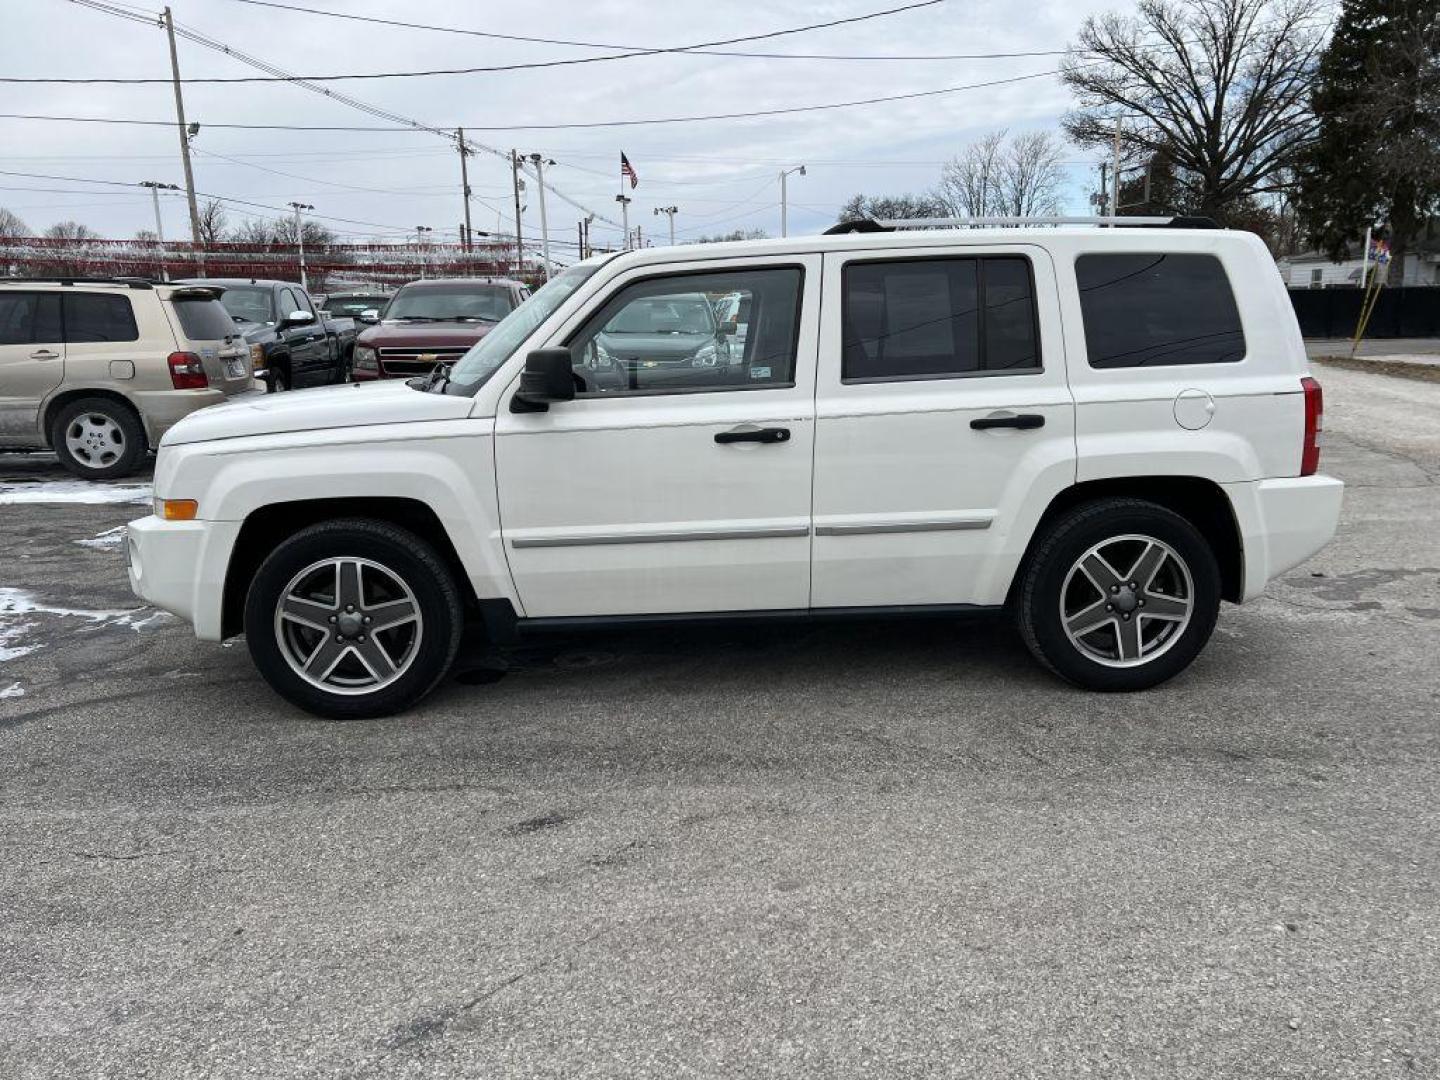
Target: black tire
{"type": "Point", "coordinates": [280, 379]}
{"type": "Point", "coordinates": [396, 552]}
{"type": "Point", "coordinates": [108, 439]}
{"type": "Point", "coordinates": [1054, 562]}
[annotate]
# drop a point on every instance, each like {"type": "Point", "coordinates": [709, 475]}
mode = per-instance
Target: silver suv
{"type": "Point", "coordinates": [99, 369]}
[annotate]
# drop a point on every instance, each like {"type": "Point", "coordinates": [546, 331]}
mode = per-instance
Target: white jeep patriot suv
{"type": "Point", "coordinates": [1105, 430]}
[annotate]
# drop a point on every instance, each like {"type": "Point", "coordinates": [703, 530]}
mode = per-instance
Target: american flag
{"type": "Point", "coordinates": [626, 169]}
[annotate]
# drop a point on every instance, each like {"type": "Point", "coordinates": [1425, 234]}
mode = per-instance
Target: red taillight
{"type": "Point", "coordinates": [1314, 425]}
{"type": "Point", "coordinates": [186, 372]}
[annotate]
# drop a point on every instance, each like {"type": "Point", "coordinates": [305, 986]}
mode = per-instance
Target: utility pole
{"type": "Point", "coordinates": [670, 212]}
{"type": "Point", "coordinates": [624, 201]}
{"type": "Point", "coordinates": [539, 161]}
{"type": "Point", "coordinates": [519, 244]}
{"type": "Point", "coordinates": [155, 188]}
{"type": "Point", "coordinates": [1100, 198]}
{"type": "Point", "coordinates": [300, 239]}
{"type": "Point", "coordinates": [464, 187]}
{"type": "Point", "coordinates": [1115, 172]}
{"type": "Point", "coordinates": [783, 174]}
{"type": "Point", "coordinates": [639, 238]}
{"type": "Point", "coordinates": [184, 143]}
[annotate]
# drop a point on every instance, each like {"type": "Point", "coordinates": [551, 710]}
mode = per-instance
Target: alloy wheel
{"type": "Point", "coordinates": [1127, 600]}
{"type": "Point", "coordinates": [348, 626]}
{"type": "Point", "coordinates": [95, 440]}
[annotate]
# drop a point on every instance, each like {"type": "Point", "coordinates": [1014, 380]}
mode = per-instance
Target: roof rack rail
{"type": "Point", "coordinates": [869, 225]}
{"type": "Point", "coordinates": [65, 279]}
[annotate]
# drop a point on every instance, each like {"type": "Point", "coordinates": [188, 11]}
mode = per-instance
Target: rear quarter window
{"type": "Point", "coordinates": [203, 319]}
{"type": "Point", "coordinates": [92, 317]}
{"type": "Point", "coordinates": [1158, 310]}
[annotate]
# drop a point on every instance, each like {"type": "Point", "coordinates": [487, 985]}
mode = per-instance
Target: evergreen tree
{"type": "Point", "coordinates": [1376, 155]}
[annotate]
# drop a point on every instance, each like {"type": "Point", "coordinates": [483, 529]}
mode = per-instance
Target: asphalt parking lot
{"type": "Point", "coordinates": [888, 849]}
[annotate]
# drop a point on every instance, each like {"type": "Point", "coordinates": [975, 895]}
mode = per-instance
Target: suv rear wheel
{"type": "Point", "coordinates": [98, 438]}
{"type": "Point", "coordinates": [1120, 594]}
{"type": "Point", "coordinates": [353, 619]}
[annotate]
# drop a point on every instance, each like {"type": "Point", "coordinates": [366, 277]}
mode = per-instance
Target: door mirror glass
{"type": "Point", "coordinates": [370, 315]}
{"type": "Point", "coordinates": [299, 318]}
{"type": "Point", "coordinates": [548, 377]}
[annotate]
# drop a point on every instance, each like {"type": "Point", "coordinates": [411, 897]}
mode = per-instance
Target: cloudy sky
{"type": "Point", "coordinates": [722, 174]}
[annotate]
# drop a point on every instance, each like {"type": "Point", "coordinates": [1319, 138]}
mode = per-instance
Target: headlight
{"type": "Point", "coordinates": [706, 357]}
{"type": "Point", "coordinates": [365, 359]}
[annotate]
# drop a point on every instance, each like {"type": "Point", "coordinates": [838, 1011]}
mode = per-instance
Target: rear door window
{"type": "Point", "coordinates": [28, 318]}
{"type": "Point", "coordinates": [203, 319]}
{"type": "Point", "coordinates": [1152, 310]}
{"type": "Point", "coordinates": [938, 318]}
{"type": "Point", "coordinates": [91, 317]}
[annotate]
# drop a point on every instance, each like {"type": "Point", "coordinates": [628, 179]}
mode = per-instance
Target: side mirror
{"type": "Point", "coordinates": [370, 315]}
{"type": "Point", "coordinates": [299, 318]}
{"type": "Point", "coordinates": [549, 376]}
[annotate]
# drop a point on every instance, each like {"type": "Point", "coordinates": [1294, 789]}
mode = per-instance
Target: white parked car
{"type": "Point", "coordinates": [1106, 431]}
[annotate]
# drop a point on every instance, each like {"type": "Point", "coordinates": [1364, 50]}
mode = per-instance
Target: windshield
{"type": "Point", "coordinates": [486, 303]}
{"type": "Point", "coordinates": [487, 355]}
{"type": "Point", "coordinates": [663, 315]}
{"type": "Point", "coordinates": [350, 306]}
{"type": "Point", "coordinates": [248, 303]}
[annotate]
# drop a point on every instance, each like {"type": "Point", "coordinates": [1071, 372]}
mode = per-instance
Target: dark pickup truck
{"type": "Point", "coordinates": [291, 344]}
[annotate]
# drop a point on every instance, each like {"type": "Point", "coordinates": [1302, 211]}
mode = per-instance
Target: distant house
{"type": "Point", "coordinates": [1314, 270]}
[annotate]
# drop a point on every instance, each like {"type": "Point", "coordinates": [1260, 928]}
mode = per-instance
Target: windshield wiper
{"type": "Point", "coordinates": [417, 318]}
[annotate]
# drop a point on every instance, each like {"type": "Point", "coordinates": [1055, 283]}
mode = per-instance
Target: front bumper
{"type": "Point", "coordinates": [179, 566]}
{"type": "Point", "coordinates": [1282, 523]}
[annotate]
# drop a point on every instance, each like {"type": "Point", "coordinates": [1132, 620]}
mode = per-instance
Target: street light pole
{"type": "Point", "coordinates": [519, 244]}
{"type": "Point", "coordinates": [539, 161]}
{"type": "Point", "coordinates": [300, 239]}
{"type": "Point", "coordinates": [464, 186]}
{"type": "Point", "coordinates": [800, 169]}
{"type": "Point", "coordinates": [670, 212]}
{"type": "Point", "coordinates": [155, 187]}
{"type": "Point", "coordinates": [420, 231]}
{"type": "Point", "coordinates": [624, 201]}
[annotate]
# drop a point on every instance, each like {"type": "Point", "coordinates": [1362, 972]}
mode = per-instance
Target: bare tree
{"type": "Point", "coordinates": [1218, 87]}
{"type": "Point", "coordinates": [1031, 176]}
{"type": "Point", "coordinates": [11, 227]}
{"type": "Point", "coordinates": [212, 222]}
{"type": "Point", "coordinates": [971, 182]}
{"type": "Point", "coordinates": [71, 252]}
{"type": "Point", "coordinates": [890, 207]}
{"type": "Point", "coordinates": [71, 230]}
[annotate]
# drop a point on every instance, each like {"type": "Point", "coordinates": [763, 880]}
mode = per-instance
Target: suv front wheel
{"type": "Point", "coordinates": [352, 619]}
{"type": "Point", "coordinates": [1120, 594]}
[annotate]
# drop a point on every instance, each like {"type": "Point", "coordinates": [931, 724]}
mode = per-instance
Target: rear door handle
{"type": "Point", "coordinates": [1023, 421]}
{"type": "Point", "coordinates": [760, 435]}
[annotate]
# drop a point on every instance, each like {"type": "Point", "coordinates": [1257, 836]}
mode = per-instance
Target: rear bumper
{"type": "Point", "coordinates": [160, 410]}
{"type": "Point", "coordinates": [179, 566]}
{"type": "Point", "coordinates": [1282, 523]}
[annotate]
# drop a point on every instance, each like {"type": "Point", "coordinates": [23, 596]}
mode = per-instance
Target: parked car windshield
{"type": "Point", "coordinates": [350, 306]}
{"type": "Point", "coordinates": [247, 304]}
{"type": "Point", "coordinates": [663, 315]}
{"type": "Point", "coordinates": [486, 356]}
{"type": "Point", "coordinates": [484, 303]}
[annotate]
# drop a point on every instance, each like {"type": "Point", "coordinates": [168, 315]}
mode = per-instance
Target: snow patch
{"type": "Point", "coordinates": [13, 690]}
{"type": "Point", "coordinates": [74, 491]}
{"type": "Point", "coordinates": [16, 604]}
{"type": "Point", "coordinates": [110, 538]}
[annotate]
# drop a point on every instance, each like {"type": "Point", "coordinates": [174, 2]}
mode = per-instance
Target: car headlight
{"type": "Point", "coordinates": [365, 359]}
{"type": "Point", "coordinates": [705, 357]}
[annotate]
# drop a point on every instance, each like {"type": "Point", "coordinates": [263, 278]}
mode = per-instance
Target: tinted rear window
{"type": "Point", "coordinates": [99, 317]}
{"type": "Point", "coordinates": [203, 320]}
{"type": "Point", "coordinates": [29, 318]}
{"type": "Point", "coordinates": [938, 318]}
{"type": "Point", "coordinates": [1158, 310]}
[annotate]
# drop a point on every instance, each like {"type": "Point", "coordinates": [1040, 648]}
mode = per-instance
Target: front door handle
{"type": "Point", "coordinates": [1023, 421]}
{"type": "Point", "coordinates": [760, 435]}
{"type": "Point", "coordinates": [44, 354]}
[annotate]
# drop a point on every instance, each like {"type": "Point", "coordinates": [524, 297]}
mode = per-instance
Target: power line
{"type": "Point", "coordinates": [556, 127]}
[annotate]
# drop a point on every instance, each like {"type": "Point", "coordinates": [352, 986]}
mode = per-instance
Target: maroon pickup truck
{"type": "Point", "coordinates": [433, 322]}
